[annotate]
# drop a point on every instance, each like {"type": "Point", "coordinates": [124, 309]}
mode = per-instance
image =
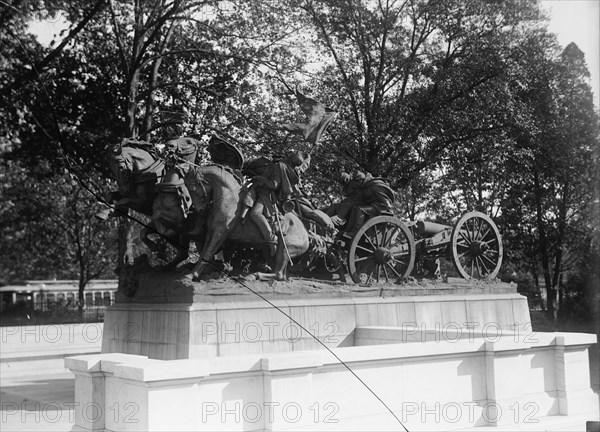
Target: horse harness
{"type": "Point", "coordinates": [150, 173]}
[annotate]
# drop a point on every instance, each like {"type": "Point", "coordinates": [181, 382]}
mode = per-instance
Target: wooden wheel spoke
{"type": "Point", "coordinates": [462, 234]}
{"type": "Point", "coordinates": [476, 228]}
{"type": "Point", "coordinates": [371, 251]}
{"type": "Point", "coordinates": [385, 273]}
{"type": "Point", "coordinates": [486, 269]}
{"type": "Point", "coordinates": [480, 225]}
{"type": "Point", "coordinates": [393, 269]}
{"type": "Point", "coordinates": [385, 241]}
{"type": "Point", "coordinates": [401, 255]}
{"type": "Point", "coordinates": [477, 265]}
{"type": "Point", "coordinates": [489, 269]}
{"type": "Point", "coordinates": [483, 256]}
{"type": "Point", "coordinates": [486, 233]}
{"type": "Point", "coordinates": [371, 275]}
{"type": "Point", "coordinates": [464, 254]}
{"type": "Point", "coordinates": [365, 262]}
{"type": "Point", "coordinates": [381, 232]}
{"type": "Point", "coordinates": [399, 262]}
{"type": "Point", "coordinates": [384, 235]}
{"type": "Point", "coordinates": [470, 228]}
{"type": "Point", "coordinates": [370, 241]}
{"type": "Point", "coordinates": [376, 235]}
{"type": "Point", "coordinates": [363, 258]}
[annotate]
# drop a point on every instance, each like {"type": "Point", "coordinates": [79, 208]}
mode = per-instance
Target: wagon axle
{"type": "Point", "coordinates": [382, 255]}
{"type": "Point", "coordinates": [478, 248]}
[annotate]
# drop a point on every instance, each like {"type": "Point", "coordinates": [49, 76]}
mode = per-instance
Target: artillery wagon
{"type": "Point", "coordinates": [386, 249]}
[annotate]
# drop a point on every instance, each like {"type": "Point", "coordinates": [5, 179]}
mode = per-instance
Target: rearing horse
{"type": "Point", "coordinates": [146, 186]}
{"type": "Point", "coordinates": [220, 201]}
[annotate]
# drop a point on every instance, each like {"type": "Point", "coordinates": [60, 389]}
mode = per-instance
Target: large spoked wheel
{"type": "Point", "coordinates": [382, 251]}
{"type": "Point", "coordinates": [476, 246]}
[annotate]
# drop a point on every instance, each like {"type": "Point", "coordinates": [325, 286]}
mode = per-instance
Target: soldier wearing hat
{"type": "Point", "coordinates": [366, 197]}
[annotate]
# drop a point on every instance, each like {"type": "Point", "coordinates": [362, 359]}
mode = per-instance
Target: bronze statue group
{"type": "Point", "coordinates": [230, 204]}
{"type": "Point", "coordinates": [278, 187]}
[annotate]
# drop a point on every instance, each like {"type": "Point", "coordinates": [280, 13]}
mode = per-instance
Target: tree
{"type": "Point", "coordinates": [417, 78]}
{"type": "Point", "coordinates": [52, 233]}
{"type": "Point", "coordinates": [19, 11]}
{"type": "Point", "coordinates": [66, 117]}
{"type": "Point", "coordinates": [557, 145]}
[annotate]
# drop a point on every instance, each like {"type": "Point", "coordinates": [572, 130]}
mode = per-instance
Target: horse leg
{"type": "Point", "coordinates": [126, 252]}
{"type": "Point", "coordinates": [214, 240]}
{"type": "Point", "coordinates": [281, 260]}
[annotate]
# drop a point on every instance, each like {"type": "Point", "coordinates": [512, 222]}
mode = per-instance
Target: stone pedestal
{"type": "Point", "coordinates": [225, 325]}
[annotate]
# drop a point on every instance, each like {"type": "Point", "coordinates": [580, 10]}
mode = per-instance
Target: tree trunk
{"type": "Point", "coordinates": [152, 85]}
{"type": "Point", "coordinates": [81, 287]}
{"type": "Point", "coordinates": [558, 263]}
{"type": "Point", "coordinates": [537, 287]}
{"type": "Point", "coordinates": [125, 229]}
{"type": "Point", "coordinates": [543, 249]}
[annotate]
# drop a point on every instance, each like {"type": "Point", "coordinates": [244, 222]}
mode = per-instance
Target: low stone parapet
{"type": "Point", "coordinates": [428, 385]}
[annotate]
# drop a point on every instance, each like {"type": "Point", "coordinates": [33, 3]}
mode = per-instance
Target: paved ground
{"type": "Point", "coordinates": [41, 402]}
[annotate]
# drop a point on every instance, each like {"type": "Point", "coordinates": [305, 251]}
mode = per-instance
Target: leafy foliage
{"type": "Point", "coordinates": [461, 104]}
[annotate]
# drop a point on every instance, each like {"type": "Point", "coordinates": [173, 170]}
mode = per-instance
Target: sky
{"type": "Point", "coordinates": [572, 20]}
{"type": "Point", "coordinates": [579, 21]}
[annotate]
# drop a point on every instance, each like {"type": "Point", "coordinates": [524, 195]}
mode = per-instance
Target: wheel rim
{"type": "Point", "coordinates": [382, 251]}
{"type": "Point", "coordinates": [476, 246]}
